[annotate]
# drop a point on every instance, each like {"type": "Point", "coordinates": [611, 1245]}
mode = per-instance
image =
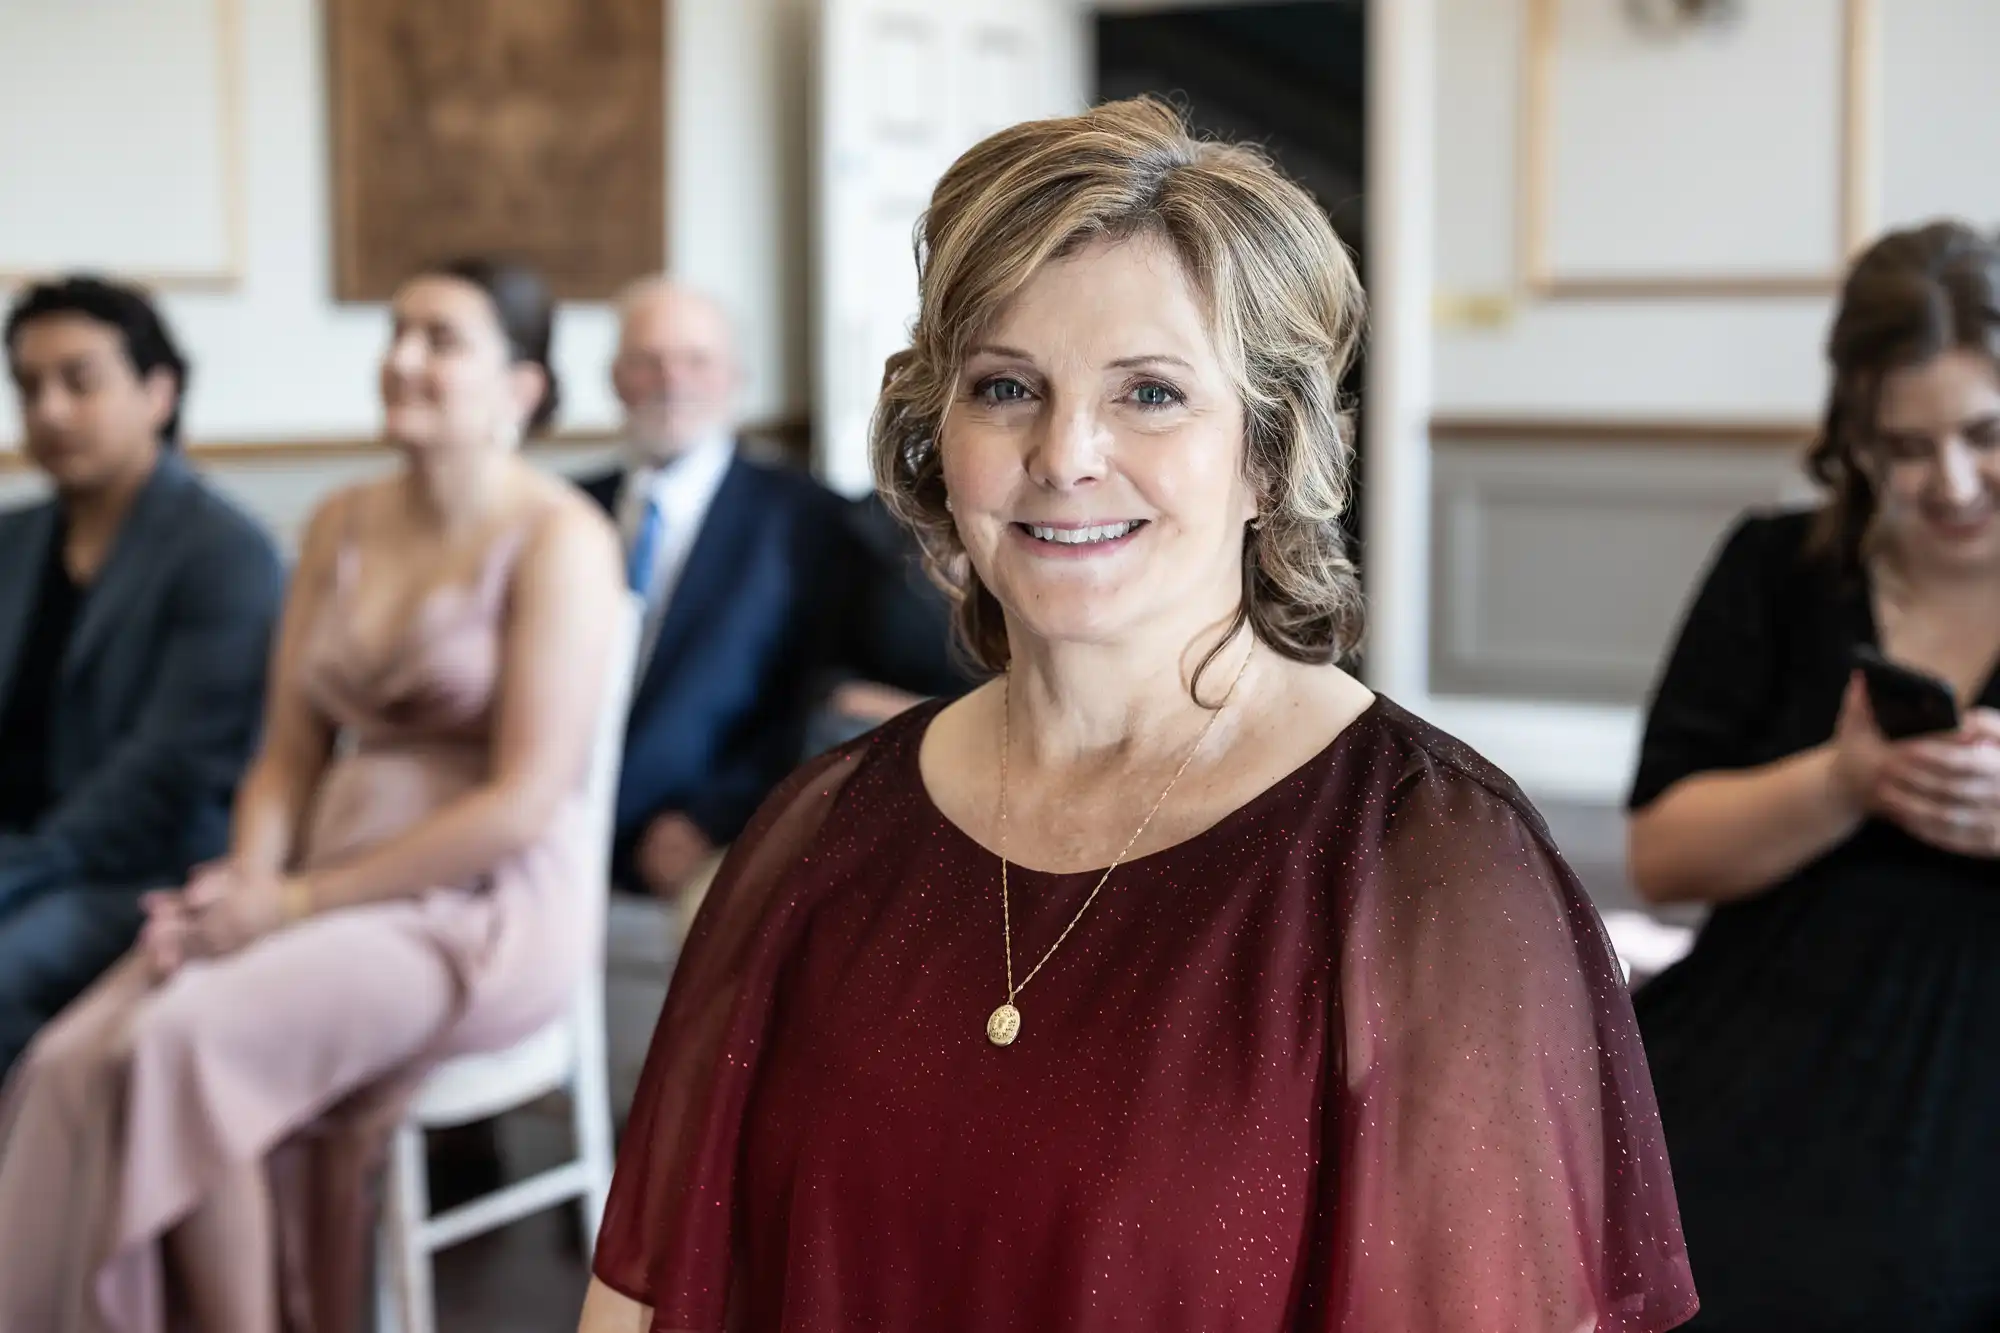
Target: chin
{"type": "Point", "coordinates": [1977, 544]}
{"type": "Point", "coordinates": [1976, 556]}
{"type": "Point", "coordinates": [70, 469]}
{"type": "Point", "coordinates": [408, 431]}
{"type": "Point", "coordinates": [1066, 617]}
{"type": "Point", "coordinates": [73, 477]}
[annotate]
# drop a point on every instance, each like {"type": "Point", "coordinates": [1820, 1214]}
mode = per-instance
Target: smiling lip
{"type": "Point", "coordinates": [1962, 523]}
{"type": "Point", "coordinates": [1070, 541]}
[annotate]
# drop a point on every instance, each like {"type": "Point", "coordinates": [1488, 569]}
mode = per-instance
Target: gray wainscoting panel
{"type": "Point", "coordinates": [1559, 571]}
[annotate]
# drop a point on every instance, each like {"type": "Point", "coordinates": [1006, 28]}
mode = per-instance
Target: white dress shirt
{"type": "Point", "coordinates": [683, 490]}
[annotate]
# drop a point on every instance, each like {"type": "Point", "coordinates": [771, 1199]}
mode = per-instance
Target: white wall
{"type": "Point", "coordinates": [276, 359]}
{"type": "Point", "coordinates": [1737, 359]}
{"type": "Point", "coordinates": [1715, 359]}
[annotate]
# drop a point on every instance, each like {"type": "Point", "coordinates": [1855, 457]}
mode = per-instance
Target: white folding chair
{"type": "Point", "coordinates": [567, 1055]}
{"type": "Point", "coordinates": [1646, 947]}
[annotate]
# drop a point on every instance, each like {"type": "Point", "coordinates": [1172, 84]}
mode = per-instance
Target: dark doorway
{"type": "Point", "coordinates": [1287, 76]}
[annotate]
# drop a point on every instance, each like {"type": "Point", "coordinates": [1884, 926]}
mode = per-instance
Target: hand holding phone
{"type": "Point", "coordinates": [1906, 702]}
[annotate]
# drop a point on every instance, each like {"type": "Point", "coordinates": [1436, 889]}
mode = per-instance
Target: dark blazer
{"type": "Point", "coordinates": [162, 685]}
{"type": "Point", "coordinates": [896, 625]}
{"type": "Point", "coordinates": [719, 715]}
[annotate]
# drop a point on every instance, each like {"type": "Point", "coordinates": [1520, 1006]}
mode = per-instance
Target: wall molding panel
{"type": "Point", "coordinates": [1649, 166]}
{"type": "Point", "coordinates": [1559, 570]}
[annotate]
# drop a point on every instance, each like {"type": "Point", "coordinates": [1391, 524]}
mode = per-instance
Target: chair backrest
{"type": "Point", "coordinates": [600, 797]}
{"type": "Point", "coordinates": [607, 746]}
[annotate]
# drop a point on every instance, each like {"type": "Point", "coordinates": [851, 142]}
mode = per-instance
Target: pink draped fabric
{"type": "Point", "coordinates": [1356, 1058]}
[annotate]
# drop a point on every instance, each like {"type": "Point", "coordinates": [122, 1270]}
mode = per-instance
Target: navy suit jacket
{"type": "Point", "coordinates": [719, 715]}
{"type": "Point", "coordinates": [160, 690]}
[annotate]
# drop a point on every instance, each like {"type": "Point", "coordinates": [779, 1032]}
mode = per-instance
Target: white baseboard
{"type": "Point", "coordinates": [1557, 752]}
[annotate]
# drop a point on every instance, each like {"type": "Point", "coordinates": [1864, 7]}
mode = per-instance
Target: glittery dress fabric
{"type": "Point", "coordinates": [1358, 1057]}
{"type": "Point", "coordinates": [1828, 1055]}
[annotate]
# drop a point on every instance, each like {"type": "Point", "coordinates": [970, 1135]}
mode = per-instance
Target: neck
{"type": "Point", "coordinates": [455, 488]}
{"type": "Point", "coordinates": [667, 457]}
{"type": "Point", "coordinates": [93, 515]}
{"type": "Point", "coordinates": [1077, 702]}
{"type": "Point", "coordinates": [1910, 577]}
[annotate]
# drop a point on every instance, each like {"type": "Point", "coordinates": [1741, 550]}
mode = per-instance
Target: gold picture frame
{"type": "Point", "coordinates": [235, 202]}
{"type": "Point", "coordinates": [533, 130]}
{"type": "Point", "coordinates": [1858, 158]}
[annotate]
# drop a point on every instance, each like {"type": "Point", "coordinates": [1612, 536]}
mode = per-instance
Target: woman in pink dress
{"type": "Point", "coordinates": [1173, 981]}
{"type": "Point", "coordinates": [189, 1143]}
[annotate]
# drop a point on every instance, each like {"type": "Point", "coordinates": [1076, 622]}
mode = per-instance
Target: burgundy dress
{"type": "Point", "coordinates": [1358, 1057]}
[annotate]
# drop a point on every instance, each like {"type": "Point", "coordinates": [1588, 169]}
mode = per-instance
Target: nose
{"type": "Point", "coordinates": [1959, 481]}
{"type": "Point", "coordinates": [46, 407]}
{"type": "Point", "coordinates": [1068, 448]}
{"type": "Point", "coordinates": [406, 352]}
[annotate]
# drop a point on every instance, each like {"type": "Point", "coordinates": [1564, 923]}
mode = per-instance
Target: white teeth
{"type": "Point", "coordinates": [1105, 532]}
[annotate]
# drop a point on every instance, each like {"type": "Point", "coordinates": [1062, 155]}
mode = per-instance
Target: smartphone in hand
{"type": "Point", "coordinates": [1906, 702]}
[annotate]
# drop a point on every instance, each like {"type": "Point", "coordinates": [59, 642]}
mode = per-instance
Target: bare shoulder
{"type": "Point", "coordinates": [966, 719]}
{"type": "Point", "coordinates": [568, 529]}
{"type": "Point", "coordinates": [945, 755]}
{"type": "Point", "coordinates": [336, 516]}
{"type": "Point", "coordinates": [1293, 711]}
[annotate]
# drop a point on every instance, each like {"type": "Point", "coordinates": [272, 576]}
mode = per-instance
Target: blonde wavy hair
{"type": "Point", "coordinates": [1283, 304]}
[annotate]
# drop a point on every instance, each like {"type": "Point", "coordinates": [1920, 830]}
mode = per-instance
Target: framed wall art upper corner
{"type": "Point", "coordinates": [1736, 163]}
{"type": "Point", "coordinates": [532, 130]}
{"type": "Point", "coordinates": [156, 197]}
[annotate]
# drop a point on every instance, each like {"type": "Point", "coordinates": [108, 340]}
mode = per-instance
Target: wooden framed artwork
{"type": "Point", "coordinates": [121, 142]}
{"type": "Point", "coordinates": [533, 130]}
{"type": "Point", "coordinates": [1738, 162]}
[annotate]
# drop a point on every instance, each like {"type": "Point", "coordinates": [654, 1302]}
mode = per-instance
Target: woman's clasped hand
{"type": "Point", "coordinates": [222, 909]}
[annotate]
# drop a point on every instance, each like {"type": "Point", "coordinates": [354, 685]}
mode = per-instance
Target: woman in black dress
{"type": "Point", "coordinates": [1828, 1057]}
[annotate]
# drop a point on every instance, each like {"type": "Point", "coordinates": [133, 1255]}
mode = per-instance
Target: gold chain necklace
{"type": "Point", "coordinates": [1004, 1025]}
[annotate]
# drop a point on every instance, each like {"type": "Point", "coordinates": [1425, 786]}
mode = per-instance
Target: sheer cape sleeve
{"type": "Point", "coordinates": [1497, 1159]}
{"type": "Point", "coordinates": [668, 1234]}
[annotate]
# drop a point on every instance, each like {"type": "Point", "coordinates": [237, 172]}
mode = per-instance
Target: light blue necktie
{"type": "Point", "coordinates": [645, 550]}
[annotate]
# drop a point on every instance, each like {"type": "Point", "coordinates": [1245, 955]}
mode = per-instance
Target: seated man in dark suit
{"type": "Point", "coordinates": [136, 611]}
{"type": "Point", "coordinates": [892, 645]}
{"type": "Point", "coordinates": [737, 563]}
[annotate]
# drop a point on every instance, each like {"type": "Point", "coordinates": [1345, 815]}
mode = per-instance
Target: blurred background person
{"type": "Point", "coordinates": [737, 562]}
{"type": "Point", "coordinates": [406, 878]}
{"type": "Point", "coordinates": [136, 613]}
{"type": "Point", "coordinates": [1828, 1057]}
{"type": "Point", "coordinates": [892, 646]}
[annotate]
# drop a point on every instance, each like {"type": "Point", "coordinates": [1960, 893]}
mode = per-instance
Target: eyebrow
{"type": "Point", "coordinates": [1122, 363]}
{"type": "Point", "coordinates": [996, 349]}
{"type": "Point", "coordinates": [1150, 359]}
{"type": "Point", "coordinates": [1973, 422]}
{"type": "Point", "coordinates": [67, 364]}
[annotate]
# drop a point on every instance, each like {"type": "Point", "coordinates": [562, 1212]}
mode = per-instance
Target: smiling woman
{"type": "Point", "coordinates": [1829, 1054]}
{"type": "Point", "coordinates": [1121, 993]}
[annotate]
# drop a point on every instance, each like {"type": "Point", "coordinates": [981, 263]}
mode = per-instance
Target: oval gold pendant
{"type": "Point", "coordinates": [1004, 1025]}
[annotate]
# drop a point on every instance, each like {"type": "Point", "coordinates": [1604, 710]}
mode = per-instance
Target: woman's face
{"type": "Point", "coordinates": [1936, 461]}
{"type": "Point", "coordinates": [1093, 453]}
{"type": "Point", "coordinates": [448, 379]}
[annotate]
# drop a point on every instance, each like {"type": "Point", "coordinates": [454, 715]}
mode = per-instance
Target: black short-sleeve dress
{"type": "Point", "coordinates": [1828, 1056]}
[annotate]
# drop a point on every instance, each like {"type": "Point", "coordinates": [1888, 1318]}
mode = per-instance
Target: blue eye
{"type": "Point", "coordinates": [1001, 389]}
{"type": "Point", "coordinates": [1154, 394]}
